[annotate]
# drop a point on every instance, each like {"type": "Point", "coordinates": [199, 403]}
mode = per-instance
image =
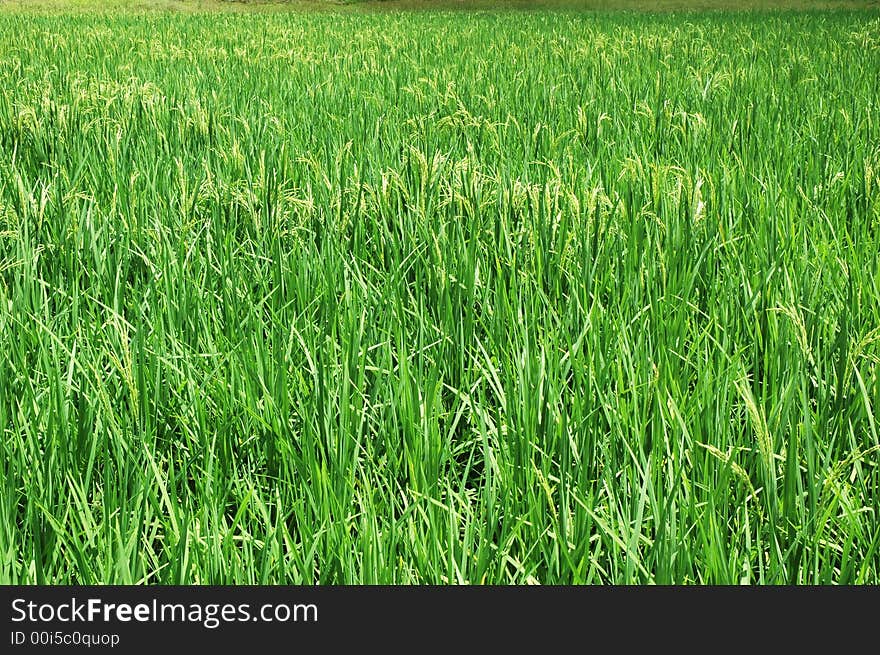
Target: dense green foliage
{"type": "Point", "coordinates": [488, 298]}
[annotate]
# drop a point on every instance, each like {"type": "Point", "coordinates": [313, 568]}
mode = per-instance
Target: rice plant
{"type": "Point", "coordinates": [440, 297]}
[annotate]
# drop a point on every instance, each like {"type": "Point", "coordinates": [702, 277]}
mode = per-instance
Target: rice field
{"type": "Point", "coordinates": [440, 297]}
